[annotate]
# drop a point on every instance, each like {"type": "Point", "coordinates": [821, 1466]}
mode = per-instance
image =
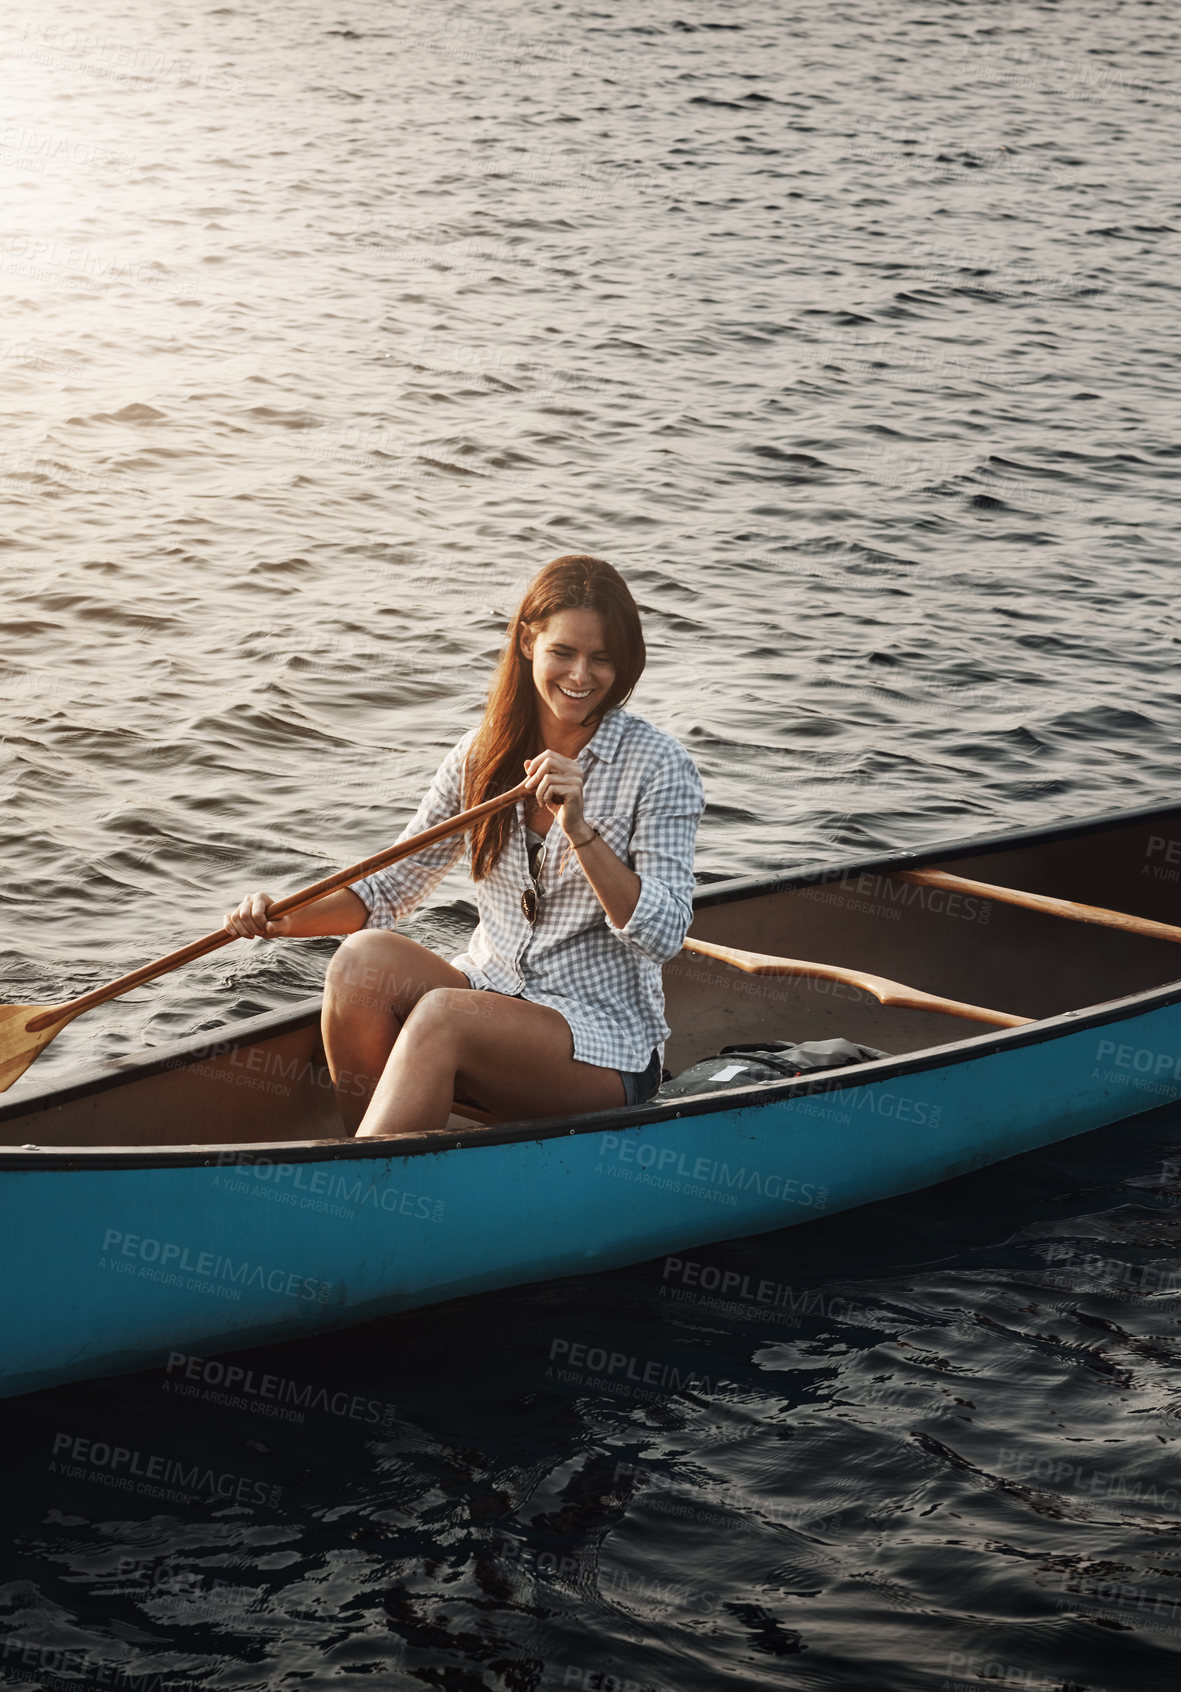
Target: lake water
{"type": "Point", "coordinates": [850, 334]}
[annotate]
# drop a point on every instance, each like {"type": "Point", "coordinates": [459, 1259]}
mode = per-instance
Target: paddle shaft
{"type": "Point", "coordinates": [281, 907]}
{"type": "Point", "coordinates": [1045, 902]}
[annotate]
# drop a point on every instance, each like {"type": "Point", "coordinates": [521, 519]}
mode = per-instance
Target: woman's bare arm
{"type": "Point", "coordinates": [617, 886]}
{"type": "Point", "coordinates": [341, 912]}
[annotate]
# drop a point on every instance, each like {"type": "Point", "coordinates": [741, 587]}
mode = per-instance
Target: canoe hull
{"type": "Point", "coordinates": [119, 1264]}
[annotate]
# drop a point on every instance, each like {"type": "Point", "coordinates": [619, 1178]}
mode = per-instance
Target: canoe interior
{"type": "Point", "coordinates": [272, 1084]}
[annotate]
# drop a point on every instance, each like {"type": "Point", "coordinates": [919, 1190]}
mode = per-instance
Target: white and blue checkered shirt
{"type": "Point", "coordinates": [643, 791]}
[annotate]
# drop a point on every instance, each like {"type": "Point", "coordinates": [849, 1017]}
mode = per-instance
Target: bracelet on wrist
{"type": "Point", "coordinates": [579, 844]}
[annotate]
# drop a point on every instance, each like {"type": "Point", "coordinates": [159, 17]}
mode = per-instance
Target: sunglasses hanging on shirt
{"type": "Point", "coordinates": [531, 897]}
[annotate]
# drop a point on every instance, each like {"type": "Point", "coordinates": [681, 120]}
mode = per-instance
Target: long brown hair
{"type": "Point", "coordinates": [510, 729]}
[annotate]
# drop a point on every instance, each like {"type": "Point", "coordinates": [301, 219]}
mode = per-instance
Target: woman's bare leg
{"type": "Point", "coordinates": [373, 981]}
{"type": "Point", "coordinates": [515, 1057]}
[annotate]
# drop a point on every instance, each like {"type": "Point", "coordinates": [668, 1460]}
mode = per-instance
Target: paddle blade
{"type": "Point", "coordinates": [18, 1047]}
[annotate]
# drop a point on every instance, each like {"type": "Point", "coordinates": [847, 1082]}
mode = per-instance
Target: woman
{"type": "Point", "coordinates": [557, 1005]}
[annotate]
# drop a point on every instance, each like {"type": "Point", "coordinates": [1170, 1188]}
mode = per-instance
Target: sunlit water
{"type": "Point", "coordinates": [851, 335]}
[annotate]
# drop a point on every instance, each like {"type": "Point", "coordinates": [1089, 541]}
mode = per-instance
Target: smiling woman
{"type": "Point", "coordinates": [557, 1005]}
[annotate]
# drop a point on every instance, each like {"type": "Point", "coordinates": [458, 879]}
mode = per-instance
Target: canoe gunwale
{"type": "Point", "coordinates": [753, 1095]}
{"type": "Point", "coordinates": [920, 857]}
{"type": "Point", "coordinates": [272, 1024]}
{"type": "Point", "coordinates": [178, 1054]}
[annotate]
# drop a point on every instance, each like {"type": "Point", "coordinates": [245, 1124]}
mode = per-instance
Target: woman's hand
{"type": "Point", "coordinates": [557, 783]}
{"type": "Point", "coordinates": [249, 921]}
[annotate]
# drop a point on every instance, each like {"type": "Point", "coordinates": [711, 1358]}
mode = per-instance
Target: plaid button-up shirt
{"type": "Point", "coordinates": [643, 791]}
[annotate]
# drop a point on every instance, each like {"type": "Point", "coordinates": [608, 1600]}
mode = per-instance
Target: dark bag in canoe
{"type": "Point", "coordinates": [772, 1060]}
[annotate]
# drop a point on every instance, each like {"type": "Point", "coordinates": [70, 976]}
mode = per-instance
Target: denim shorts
{"type": "Point", "coordinates": [640, 1084]}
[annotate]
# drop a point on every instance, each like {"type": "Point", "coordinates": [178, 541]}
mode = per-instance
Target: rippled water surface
{"type": "Point", "coordinates": [850, 334]}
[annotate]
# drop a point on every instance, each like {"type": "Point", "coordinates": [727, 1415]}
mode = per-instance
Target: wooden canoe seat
{"type": "Point", "coordinates": [885, 991]}
{"type": "Point", "coordinates": [464, 1105]}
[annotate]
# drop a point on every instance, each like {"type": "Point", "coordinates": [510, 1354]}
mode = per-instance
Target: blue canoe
{"type": "Point", "coordinates": [201, 1199]}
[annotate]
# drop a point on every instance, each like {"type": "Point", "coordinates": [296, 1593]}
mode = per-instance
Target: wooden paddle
{"type": "Point", "coordinates": [25, 1030]}
{"type": "Point", "coordinates": [887, 992]}
{"type": "Point", "coordinates": [1045, 902]}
